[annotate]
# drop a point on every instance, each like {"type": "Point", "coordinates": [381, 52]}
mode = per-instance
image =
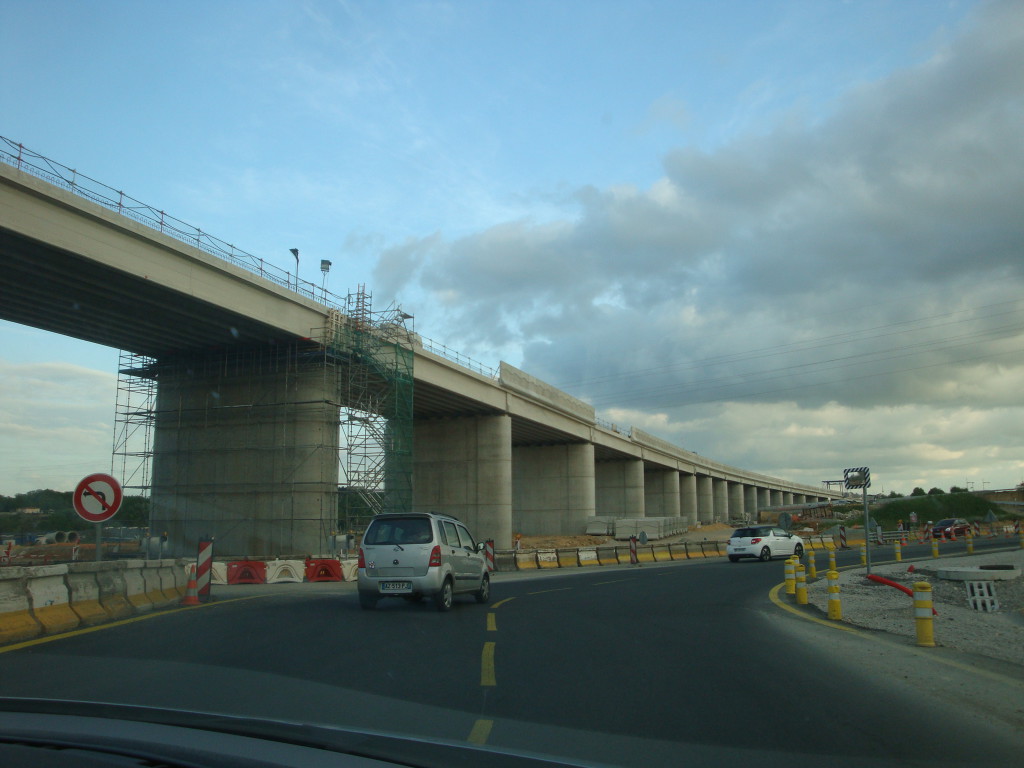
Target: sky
{"type": "Point", "coordinates": [786, 235]}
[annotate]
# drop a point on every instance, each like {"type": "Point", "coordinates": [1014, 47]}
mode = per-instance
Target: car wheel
{"type": "Point", "coordinates": [734, 558]}
{"type": "Point", "coordinates": [766, 555]}
{"type": "Point", "coordinates": [367, 601]}
{"type": "Point", "coordinates": [443, 599]}
{"type": "Point", "coordinates": [484, 593]}
{"type": "Point", "coordinates": [799, 551]}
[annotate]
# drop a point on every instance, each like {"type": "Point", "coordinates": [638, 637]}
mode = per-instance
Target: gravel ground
{"type": "Point", "coordinates": [999, 635]}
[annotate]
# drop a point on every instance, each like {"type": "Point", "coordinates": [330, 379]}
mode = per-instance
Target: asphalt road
{"type": "Point", "coordinates": [675, 664]}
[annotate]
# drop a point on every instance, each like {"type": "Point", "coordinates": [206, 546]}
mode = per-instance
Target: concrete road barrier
{"type": "Point", "coordinates": [16, 620]}
{"type": "Point", "coordinates": [84, 593]}
{"type": "Point", "coordinates": [48, 598]}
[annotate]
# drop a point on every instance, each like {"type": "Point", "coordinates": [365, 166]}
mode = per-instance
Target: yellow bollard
{"type": "Point", "coordinates": [898, 549]}
{"type": "Point", "coordinates": [831, 558]}
{"type": "Point", "coordinates": [864, 553]}
{"type": "Point", "coordinates": [835, 605]}
{"type": "Point", "coordinates": [923, 614]}
{"type": "Point", "coordinates": [801, 585]}
{"type": "Point", "coordinates": [935, 547]}
{"type": "Point", "coordinates": [970, 542]}
{"type": "Point", "coordinates": [790, 576]}
{"type": "Point", "coordinates": [812, 569]}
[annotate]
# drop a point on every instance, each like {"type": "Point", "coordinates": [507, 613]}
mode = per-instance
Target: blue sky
{"type": "Point", "coordinates": [783, 234]}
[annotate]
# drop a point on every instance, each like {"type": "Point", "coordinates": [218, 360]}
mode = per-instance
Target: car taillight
{"type": "Point", "coordinates": [435, 557]}
{"type": "Point", "coordinates": [754, 541]}
{"type": "Point", "coordinates": [362, 559]}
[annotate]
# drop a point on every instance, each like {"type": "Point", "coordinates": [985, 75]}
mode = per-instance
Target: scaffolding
{"type": "Point", "coordinates": [133, 421]}
{"type": "Point", "coordinates": [376, 388]}
{"type": "Point", "coordinates": [237, 406]}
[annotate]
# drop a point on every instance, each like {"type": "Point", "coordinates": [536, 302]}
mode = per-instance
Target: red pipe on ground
{"type": "Point", "coordinates": [880, 580]}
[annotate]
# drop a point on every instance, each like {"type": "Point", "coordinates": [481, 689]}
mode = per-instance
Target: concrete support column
{"type": "Point", "coordinates": [620, 488]}
{"type": "Point", "coordinates": [721, 501]}
{"type": "Point", "coordinates": [735, 501]}
{"type": "Point", "coordinates": [705, 500]}
{"type": "Point", "coordinates": [787, 498]}
{"type": "Point", "coordinates": [463, 467]}
{"type": "Point", "coordinates": [688, 498]}
{"type": "Point", "coordinates": [799, 498]}
{"type": "Point", "coordinates": [764, 498]}
{"type": "Point", "coordinates": [245, 449]}
{"type": "Point", "coordinates": [750, 502]}
{"type": "Point", "coordinates": [776, 500]}
{"type": "Point", "coordinates": [661, 493]}
{"type": "Point", "coordinates": [553, 489]}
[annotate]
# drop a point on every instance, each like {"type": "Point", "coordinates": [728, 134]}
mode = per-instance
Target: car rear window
{"type": "Point", "coordinates": [747, 533]}
{"type": "Point", "coordinates": [399, 530]}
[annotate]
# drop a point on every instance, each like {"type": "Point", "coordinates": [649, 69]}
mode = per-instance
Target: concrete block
{"type": "Point", "coordinates": [16, 620]}
{"type": "Point", "coordinates": [135, 586]}
{"type": "Point", "coordinates": [84, 592]}
{"type": "Point", "coordinates": [49, 598]}
{"type": "Point", "coordinates": [113, 590]}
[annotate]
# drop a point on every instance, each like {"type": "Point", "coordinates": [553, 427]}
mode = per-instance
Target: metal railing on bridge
{"type": "Point", "coordinates": [24, 159]}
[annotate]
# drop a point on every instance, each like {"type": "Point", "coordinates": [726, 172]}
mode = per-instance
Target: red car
{"type": "Point", "coordinates": [945, 529]}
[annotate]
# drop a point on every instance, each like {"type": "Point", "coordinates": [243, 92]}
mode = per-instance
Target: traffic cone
{"type": "Point", "coordinates": [192, 590]}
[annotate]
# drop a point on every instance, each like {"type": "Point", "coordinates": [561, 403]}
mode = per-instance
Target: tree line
{"type": "Point", "coordinates": [56, 512]}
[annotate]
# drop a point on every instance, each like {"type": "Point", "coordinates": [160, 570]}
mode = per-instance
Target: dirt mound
{"type": "Point", "coordinates": [711, 532]}
{"type": "Point", "coordinates": [563, 542]}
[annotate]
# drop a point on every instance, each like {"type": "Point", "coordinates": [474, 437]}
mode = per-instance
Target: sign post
{"type": "Point", "coordinates": [96, 499]}
{"type": "Point", "coordinates": [860, 477]}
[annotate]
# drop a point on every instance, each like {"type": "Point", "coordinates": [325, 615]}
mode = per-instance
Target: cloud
{"type": "Point", "coordinates": [855, 266]}
{"type": "Point", "coordinates": [56, 424]}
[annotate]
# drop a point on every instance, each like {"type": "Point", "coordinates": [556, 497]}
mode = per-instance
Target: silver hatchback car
{"type": "Point", "coordinates": [421, 554]}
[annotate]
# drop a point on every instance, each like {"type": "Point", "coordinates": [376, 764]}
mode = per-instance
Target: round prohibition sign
{"type": "Point", "coordinates": [97, 498]}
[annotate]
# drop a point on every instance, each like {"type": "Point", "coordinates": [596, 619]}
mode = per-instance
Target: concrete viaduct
{"type": "Point", "coordinates": [505, 452]}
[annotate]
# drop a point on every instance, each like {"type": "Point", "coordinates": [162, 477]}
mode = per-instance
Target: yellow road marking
{"type": "Point", "coordinates": [491, 623]}
{"type": "Point", "coordinates": [545, 591]}
{"type": "Point", "coordinates": [501, 602]}
{"type": "Point", "coordinates": [925, 653]}
{"type": "Point", "coordinates": [773, 595]}
{"type": "Point", "coordinates": [613, 581]}
{"type": "Point", "coordinates": [120, 623]}
{"type": "Point", "coordinates": [481, 730]}
{"type": "Point", "coordinates": [487, 665]}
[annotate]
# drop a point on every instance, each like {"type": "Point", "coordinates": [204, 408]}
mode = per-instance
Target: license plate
{"type": "Point", "coordinates": [739, 549]}
{"type": "Point", "coordinates": [395, 586]}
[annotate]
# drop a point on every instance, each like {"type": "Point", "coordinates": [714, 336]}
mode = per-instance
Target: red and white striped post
{"type": "Point", "coordinates": [842, 536]}
{"type": "Point", "coordinates": [489, 554]}
{"type": "Point", "coordinates": [633, 560]}
{"type": "Point", "coordinates": [204, 566]}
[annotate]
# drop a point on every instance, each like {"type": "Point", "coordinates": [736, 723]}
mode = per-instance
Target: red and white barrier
{"type": "Point", "coordinates": [204, 569]}
{"type": "Point", "coordinates": [489, 553]}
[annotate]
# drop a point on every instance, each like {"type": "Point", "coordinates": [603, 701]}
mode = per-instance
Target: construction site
{"type": "Point", "coordinates": [276, 449]}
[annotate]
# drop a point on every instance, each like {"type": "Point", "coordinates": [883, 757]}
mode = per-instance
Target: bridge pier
{"type": "Point", "coordinates": [245, 449]}
{"type": "Point", "coordinates": [720, 500]}
{"type": "Point", "coordinates": [750, 502]}
{"type": "Point", "coordinates": [553, 491]}
{"type": "Point", "coordinates": [661, 493]}
{"type": "Point", "coordinates": [705, 500]}
{"type": "Point", "coordinates": [463, 467]}
{"type": "Point", "coordinates": [688, 498]}
{"type": "Point", "coordinates": [620, 488]}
